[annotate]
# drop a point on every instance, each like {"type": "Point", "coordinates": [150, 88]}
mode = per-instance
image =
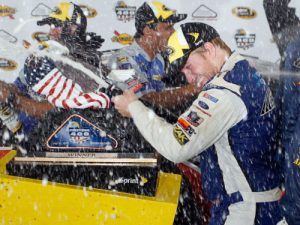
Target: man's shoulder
{"type": "Point", "coordinates": [123, 58]}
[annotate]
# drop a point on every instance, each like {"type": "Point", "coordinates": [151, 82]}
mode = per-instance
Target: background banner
{"type": "Point", "coordinates": [241, 24]}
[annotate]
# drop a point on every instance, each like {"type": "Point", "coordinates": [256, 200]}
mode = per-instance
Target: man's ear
{"type": "Point", "coordinates": [147, 30]}
{"type": "Point", "coordinates": [210, 48]}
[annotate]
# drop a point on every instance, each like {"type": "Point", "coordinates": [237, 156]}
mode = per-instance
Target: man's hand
{"type": "Point", "coordinates": [122, 101]}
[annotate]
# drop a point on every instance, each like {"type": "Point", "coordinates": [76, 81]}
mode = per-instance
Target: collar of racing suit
{"type": "Point", "coordinates": [230, 63]}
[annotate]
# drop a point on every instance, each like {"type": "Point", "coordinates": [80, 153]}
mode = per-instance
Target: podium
{"type": "Point", "coordinates": [34, 201]}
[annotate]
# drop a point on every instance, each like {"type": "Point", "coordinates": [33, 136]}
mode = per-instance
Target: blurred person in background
{"type": "Point", "coordinates": [283, 17]}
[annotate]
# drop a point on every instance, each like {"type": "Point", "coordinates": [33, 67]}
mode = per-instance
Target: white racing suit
{"type": "Point", "coordinates": [232, 126]}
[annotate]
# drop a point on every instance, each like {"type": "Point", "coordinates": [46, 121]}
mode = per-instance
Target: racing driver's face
{"type": "Point", "coordinates": [199, 68]}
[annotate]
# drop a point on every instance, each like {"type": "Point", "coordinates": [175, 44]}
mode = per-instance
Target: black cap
{"type": "Point", "coordinates": [184, 40]}
{"type": "Point", "coordinates": [153, 13]}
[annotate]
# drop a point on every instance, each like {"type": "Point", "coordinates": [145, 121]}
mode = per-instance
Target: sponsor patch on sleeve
{"type": "Point", "coordinates": [210, 97]}
{"type": "Point", "coordinates": [180, 135]}
{"type": "Point", "coordinates": [203, 105]}
{"type": "Point", "coordinates": [186, 126]}
{"type": "Point", "coordinates": [194, 119]}
{"type": "Point", "coordinates": [123, 63]}
{"type": "Point", "coordinates": [122, 59]}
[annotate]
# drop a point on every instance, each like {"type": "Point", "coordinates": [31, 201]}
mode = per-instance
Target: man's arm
{"type": "Point", "coordinates": [23, 103]}
{"type": "Point", "coordinates": [202, 125]}
{"type": "Point", "coordinates": [172, 98]}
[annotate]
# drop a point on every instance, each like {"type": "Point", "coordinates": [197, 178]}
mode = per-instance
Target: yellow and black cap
{"type": "Point", "coordinates": [185, 39]}
{"type": "Point", "coordinates": [65, 13]}
{"type": "Point", "coordinates": [149, 14]}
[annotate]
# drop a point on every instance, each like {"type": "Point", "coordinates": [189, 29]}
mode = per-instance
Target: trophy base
{"type": "Point", "coordinates": [134, 173]}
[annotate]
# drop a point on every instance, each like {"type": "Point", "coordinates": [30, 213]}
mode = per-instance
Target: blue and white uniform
{"type": "Point", "coordinates": [148, 71]}
{"type": "Point", "coordinates": [291, 131]}
{"type": "Point", "coordinates": [232, 126]}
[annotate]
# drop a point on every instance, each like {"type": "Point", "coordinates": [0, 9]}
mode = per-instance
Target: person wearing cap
{"type": "Point", "coordinates": [47, 79]}
{"type": "Point", "coordinates": [230, 126]}
{"type": "Point", "coordinates": [61, 84]}
{"type": "Point", "coordinates": [154, 24]}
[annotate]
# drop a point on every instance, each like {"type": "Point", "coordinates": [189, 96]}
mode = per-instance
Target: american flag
{"type": "Point", "coordinates": [65, 93]}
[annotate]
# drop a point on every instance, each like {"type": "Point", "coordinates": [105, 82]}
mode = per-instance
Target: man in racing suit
{"type": "Point", "coordinates": [154, 25]}
{"type": "Point", "coordinates": [50, 76]}
{"type": "Point", "coordinates": [231, 126]}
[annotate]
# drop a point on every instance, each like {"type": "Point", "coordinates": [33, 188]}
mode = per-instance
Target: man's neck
{"type": "Point", "coordinates": [146, 44]}
{"type": "Point", "coordinates": [223, 56]}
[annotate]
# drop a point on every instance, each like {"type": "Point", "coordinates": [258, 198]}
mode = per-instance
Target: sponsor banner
{"type": "Point", "coordinates": [88, 11]}
{"type": "Point", "coordinates": [244, 40]}
{"type": "Point", "coordinates": [7, 64]}
{"type": "Point", "coordinates": [244, 12]}
{"type": "Point", "coordinates": [6, 11]}
{"type": "Point", "coordinates": [125, 13]}
{"type": "Point", "coordinates": [123, 38]}
{"type": "Point", "coordinates": [41, 38]}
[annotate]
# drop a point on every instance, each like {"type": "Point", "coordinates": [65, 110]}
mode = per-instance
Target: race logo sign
{"type": "Point", "coordinates": [7, 64]}
{"type": "Point", "coordinates": [41, 10]}
{"type": "Point", "coordinates": [77, 132]}
{"type": "Point", "coordinates": [125, 13]}
{"type": "Point", "coordinates": [204, 13]}
{"type": "Point", "coordinates": [124, 39]}
{"type": "Point", "coordinates": [244, 40]}
{"type": "Point", "coordinates": [7, 11]}
{"type": "Point", "coordinates": [7, 36]}
{"type": "Point", "coordinates": [244, 12]}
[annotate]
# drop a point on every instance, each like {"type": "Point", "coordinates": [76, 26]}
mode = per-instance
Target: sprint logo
{"type": "Point", "coordinates": [141, 181]}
